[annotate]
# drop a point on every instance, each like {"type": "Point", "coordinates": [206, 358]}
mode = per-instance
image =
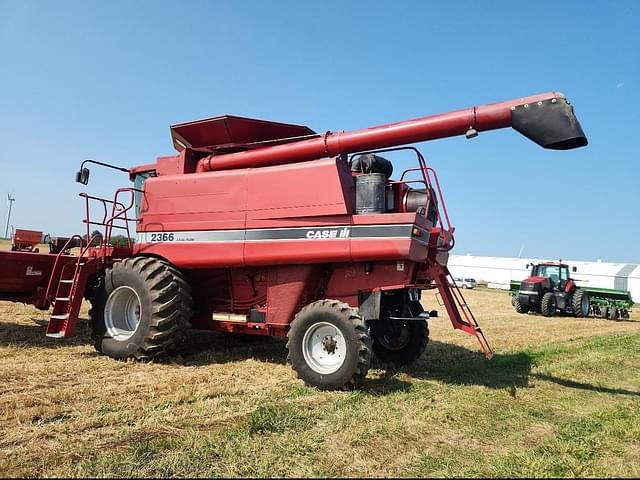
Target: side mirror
{"type": "Point", "coordinates": [574, 269]}
{"type": "Point", "coordinates": [83, 176]}
{"type": "Point", "coordinates": [528, 265]}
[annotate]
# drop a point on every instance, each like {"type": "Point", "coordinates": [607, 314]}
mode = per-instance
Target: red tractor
{"type": "Point", "coordinates": [265, 228]}
{"type": "Point", "coordinates": [550, 290]}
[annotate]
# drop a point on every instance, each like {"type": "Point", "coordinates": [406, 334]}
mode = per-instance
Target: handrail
{"type": "Point", "coordinates": [59, 255]}
{"type": "Point", "coordinates": [118, 212]}
{"type": "Point", "coordinates": [426, 172]}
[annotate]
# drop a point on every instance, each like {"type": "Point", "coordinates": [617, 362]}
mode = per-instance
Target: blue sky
{"type": "Point", "coordinates": [104, 80]}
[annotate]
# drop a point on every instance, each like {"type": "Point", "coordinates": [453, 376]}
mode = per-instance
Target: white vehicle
{"type": "Point", "coordinates": [465, 282]}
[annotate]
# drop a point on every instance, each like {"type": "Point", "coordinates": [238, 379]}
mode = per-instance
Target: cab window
{"type": "Point", "coordinates": [138, 184]}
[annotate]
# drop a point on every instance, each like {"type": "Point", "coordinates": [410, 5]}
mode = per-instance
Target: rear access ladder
{"type": "Point", "coordinates": [459, 312]}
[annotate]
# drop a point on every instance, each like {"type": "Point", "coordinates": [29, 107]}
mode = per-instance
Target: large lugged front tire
{"type": "Point", "coordinates": [142, 309]}
{"type": "Point", "coordinates": [548, 304]}
{"type": "Point", "coordinates": [329, 345]}
{"type": "Point", "coordinates": [580, 303]}
{"type": "Point", "coordinates": [400, 341]}
{"type": "Point", "coordinates": [520, 308]}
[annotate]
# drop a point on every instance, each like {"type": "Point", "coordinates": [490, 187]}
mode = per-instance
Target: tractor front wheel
{"type": "Point", "coordinates": [548, 304]}
{"type": "Point", "coordinates": [329, 345]}
{"type": "Point", "coordinates": [520, 308]}
{"type": "Point", "coordinates": [141, 309]}
{"type": "Point", "coordinates": [580, 303]}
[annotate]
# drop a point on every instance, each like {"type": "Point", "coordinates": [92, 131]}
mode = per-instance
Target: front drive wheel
{"type": "Point", "coordinates": [329, 345]}
{"type": "Point", "coordinates": [141, 310]}
{"type": "Point", "coordinates": [548, 304]}
{"type": "Point", "coordinates": [520, 308]}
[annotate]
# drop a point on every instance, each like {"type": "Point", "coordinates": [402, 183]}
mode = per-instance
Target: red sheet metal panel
{"type": "Point", "coordinates": [231, 131]}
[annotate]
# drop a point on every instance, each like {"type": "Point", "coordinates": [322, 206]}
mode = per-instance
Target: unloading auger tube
{"type": "Point", "coordinates": [547, 119]}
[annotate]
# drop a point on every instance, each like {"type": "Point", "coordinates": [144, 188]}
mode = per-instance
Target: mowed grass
{"type": "Point", "coordinates": [560, 398]}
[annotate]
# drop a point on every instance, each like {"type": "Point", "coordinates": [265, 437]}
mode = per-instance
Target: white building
{"type": "Point", "coordinates": [499, 271]}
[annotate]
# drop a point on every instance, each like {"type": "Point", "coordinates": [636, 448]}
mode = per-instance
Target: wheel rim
{"type": "Point", "coordinates": [122, 313]}
{"type": "Point", "coordinates": [324, 348]}
{"type": "Point", "coordinates": [396, 337]}
{"type": "Point", "coordinates": [584, 305]}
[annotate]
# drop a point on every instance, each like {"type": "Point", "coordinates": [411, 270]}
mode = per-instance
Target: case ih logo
{"type": "Point", "coordinates": [331, 233]}
{"type": "Point", "coordinates": [33, 273]}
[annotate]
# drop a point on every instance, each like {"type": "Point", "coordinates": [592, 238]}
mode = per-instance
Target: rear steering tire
{"type": "Point", "coordinates": [329, 345]}
{"type": "Point", "coordinates": [400, 341]}
{"type": "Point", "coordinates": [141, 310]}
{"type": "Point", "coordinates": [548, 304]}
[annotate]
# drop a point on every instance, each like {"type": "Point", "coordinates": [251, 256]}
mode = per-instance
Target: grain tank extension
{"type": "Point", "coordinates": [272, 229]}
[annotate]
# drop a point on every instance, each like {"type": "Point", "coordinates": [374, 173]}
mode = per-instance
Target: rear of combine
{"type": "Point", "coordinates": [271, 229]}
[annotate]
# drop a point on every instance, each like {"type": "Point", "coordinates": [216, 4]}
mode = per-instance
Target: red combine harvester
{"type": "Point", "coordinates": [271, 229]}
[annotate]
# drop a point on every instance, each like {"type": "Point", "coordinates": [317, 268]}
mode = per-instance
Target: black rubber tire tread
{"type": "Point", "coordinates": [548, 304]}
{"type": "Point", "coordinates": [409, 353]}
{"type": "Point", "coordinates": [576, 302]}
{"type": "Point", "coordinates": [167, 308]}
{"type": "Point", "coordinates": [417, 344]}
{"type": "Point", "coordinates": [186, 305]}
{"type": "Point", "coordinates": [520, 308]}
{"type": "Point", "coordinates": [356, 333]}
{"type": "Point", "coordinates": [614, 314]}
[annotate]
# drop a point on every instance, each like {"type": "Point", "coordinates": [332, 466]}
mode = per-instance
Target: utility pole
{"type": "Point", "coordinates": [11, 200]}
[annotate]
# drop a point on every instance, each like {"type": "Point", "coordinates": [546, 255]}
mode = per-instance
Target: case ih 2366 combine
{"type": "Point", "coordinates": [266, 228]}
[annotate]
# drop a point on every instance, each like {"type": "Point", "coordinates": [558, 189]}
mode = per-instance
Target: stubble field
{"type": "Point", "coordinates": [560, 398]}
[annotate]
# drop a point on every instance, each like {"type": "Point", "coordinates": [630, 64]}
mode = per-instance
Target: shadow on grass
{"type": "Point", "coordinates": [457, 365]}
{"type": "Point", "coordinates": [584, 386]}
{"type": "Point", "coordinates": [442, 362]}
{"type": "Point", "coordinates": [34, 335]}
{"type": "Point", "coordinates": [205, 347]}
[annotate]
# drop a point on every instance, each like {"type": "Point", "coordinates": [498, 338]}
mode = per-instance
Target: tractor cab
{"type": "Point", "coordinates": [557, 274]}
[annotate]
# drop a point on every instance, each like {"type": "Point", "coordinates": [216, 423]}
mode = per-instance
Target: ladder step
{"type": "Point", "coordinates": [63, 299]}
{"type": "Point", "coordinates": [66, 281]}
{"type": "Point", "coordinates": [60, 317]}
{"type": "Point", "coordinates": [56, 335]}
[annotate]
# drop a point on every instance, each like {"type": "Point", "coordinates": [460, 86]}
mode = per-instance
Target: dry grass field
{"type": "Point", "coordinates": [560, 398]}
